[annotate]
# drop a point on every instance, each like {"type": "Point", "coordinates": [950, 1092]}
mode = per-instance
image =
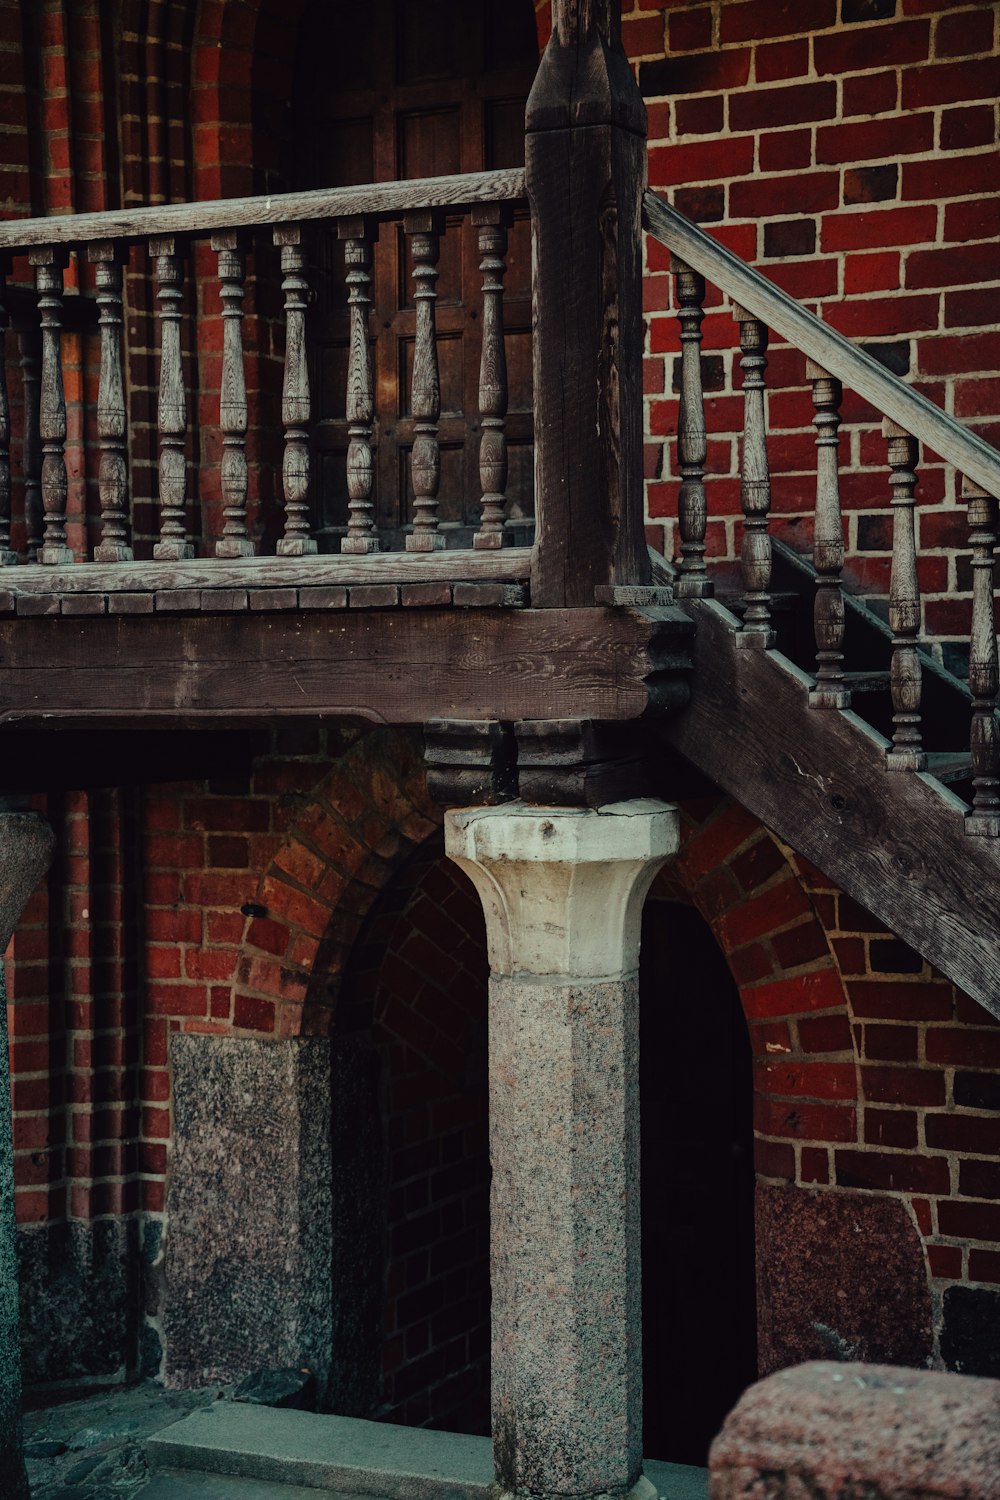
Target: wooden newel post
{"type": "Point", "coordinates": [586, 172]}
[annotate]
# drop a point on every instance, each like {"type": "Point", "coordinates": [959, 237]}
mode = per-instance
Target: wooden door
{"type": "Point", "coordinates": [397, 89]}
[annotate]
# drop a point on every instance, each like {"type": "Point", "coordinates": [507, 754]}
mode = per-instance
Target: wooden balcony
{"type": "Point", "coordinates": [196, 620]}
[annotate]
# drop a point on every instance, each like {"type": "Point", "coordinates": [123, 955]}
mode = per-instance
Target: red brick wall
{"type": "Point", "coordinates": [855, 164]}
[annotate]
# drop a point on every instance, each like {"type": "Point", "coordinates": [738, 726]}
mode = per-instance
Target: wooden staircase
{"type": "Point", "coordinates": [842, 733]}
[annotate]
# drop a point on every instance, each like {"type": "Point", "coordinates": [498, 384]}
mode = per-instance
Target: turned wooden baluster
{"type": "Point", "coordinates": [7, 555]}
{"type": "Point", "coordinates": [906, 752]}
{"type": "Point", "coordinates": [171, 411]}
{"type": "Point", "coordinates": [362, 537]}
{"type": "Point", "coordinates": [49, 266]}
{"type": "Point", "coordinates": [295, 403]}
{"type": "Point", "coordinates": [692, 581]}
{"type": "Point", "coordinates": [112, 479]}
{"type": "Point", "coordinates": [425, 402]}
{"type": "Point", "coordinates": [493, 224]}
{"type": "Point", "coordinates": [31, 375]}
{"type": "Point", "coordinates": [234, 541]}
{"type": "Point", "coordinates": [755, 486]}
{"type": "Point", "coordinates": [828, 545]}
{"type": "Point", "coordinates": [984, 673]}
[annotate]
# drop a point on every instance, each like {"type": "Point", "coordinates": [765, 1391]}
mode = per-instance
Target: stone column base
{"type": "Point", "coordinates": [641, 1490]}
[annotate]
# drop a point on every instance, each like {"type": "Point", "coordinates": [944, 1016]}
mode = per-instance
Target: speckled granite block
{"type": "Point", "coordinates": [248, 1241]}
{"type": "Point", "coordinates": [827, 1431]}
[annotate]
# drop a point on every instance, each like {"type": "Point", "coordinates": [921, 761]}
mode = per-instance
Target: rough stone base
{"type": "Point", "coordinates": [839, 1275]}
{"type": "Point", "coordinates": [248, 1241]}
{"type": "Point", "coordinates": [79, 1299]}
{"type": "Point", "coordinates": [831, 1431]}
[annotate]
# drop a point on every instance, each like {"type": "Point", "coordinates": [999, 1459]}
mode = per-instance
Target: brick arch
{"type": "Point", "coordinates": [359, 826]}
{"type": "Point", "coordinates": [754, 893]}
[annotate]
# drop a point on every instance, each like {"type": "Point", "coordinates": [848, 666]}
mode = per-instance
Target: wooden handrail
{"type": "Point", "coordinates": [374, 200]}
{"type": "Point", "coordinates": [969, 454]}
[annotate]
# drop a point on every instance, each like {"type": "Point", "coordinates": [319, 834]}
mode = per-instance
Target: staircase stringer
{"type": "Point", "coordinates": [894, 841]}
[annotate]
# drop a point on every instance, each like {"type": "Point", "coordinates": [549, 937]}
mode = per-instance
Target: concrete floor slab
{"type": "Point", "coordinates": [304, 1453]}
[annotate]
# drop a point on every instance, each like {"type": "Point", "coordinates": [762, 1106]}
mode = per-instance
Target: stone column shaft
{"type": "Point", "coordinates": [26, 842]}
{"type": "Point", "coordinates": [563, 889]}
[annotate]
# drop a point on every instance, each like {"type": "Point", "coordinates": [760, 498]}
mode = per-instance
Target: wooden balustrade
{"type": "Point", "coordinates": [832, 363]}
{"type": "Point", "coordinates": [110, 243]}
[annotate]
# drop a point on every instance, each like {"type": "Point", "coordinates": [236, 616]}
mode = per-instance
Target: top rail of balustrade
{"type": "Point", "coordinates": [379, 200]}
{"type": "Point", "coordinates": [970, 454]}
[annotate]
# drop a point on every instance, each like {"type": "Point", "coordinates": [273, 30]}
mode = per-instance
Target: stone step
{"type": "Point", "coordinates": [343, 1456]}
{"type": "Point", "coordinates": [188, 1484]}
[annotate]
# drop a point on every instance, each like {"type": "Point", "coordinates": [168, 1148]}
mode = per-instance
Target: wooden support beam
{"type": "Point", "coordinates": [585, 173]}
{"type": "Point", "coordinates": [401, 666]}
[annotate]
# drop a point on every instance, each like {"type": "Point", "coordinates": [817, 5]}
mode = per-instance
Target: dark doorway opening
{"type": "Point", "coordinates": [696, 1084]}
{"type": "Point", "coordinates": [396, 89]}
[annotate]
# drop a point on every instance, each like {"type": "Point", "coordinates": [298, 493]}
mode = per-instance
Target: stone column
{"type": "Point", "coordinates": [26, 842]}
{"type": "Point", "coordinates": [563, 889]}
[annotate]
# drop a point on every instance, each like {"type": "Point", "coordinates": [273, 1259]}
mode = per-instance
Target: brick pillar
{"type": "Point", "coordinates": [25, 851]}
{"type": "Point", "coordinates": [562, 889]}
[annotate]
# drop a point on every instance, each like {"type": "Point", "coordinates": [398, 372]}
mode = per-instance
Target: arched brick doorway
{"type": "Point", "coordinates": [411, 1168]}
{"type": "Point", "coordinates": [410, 1156]}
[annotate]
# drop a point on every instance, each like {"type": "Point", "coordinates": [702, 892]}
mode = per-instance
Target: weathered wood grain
{"type": "Point", "coordinates": [492, 225]}
{"type": "Point", "coordinates": [425, 398]}
{"type": "Point", "coordinates": [692, 581]}
{"type": "Point", "coordinates": [907, 753]}
{"type": "Point", "coordinates": [828, 545]}
{"type": "Point", "coordinates": [362, 535]}
{"type": "Point", "coordinates": [511, 565]}
{"type": "Point", "coordinates": [394, 666]}
{"type": "Point", "coordinates": [171, 418]}
{"type": "Point", "coordinates": [755, 485]}
{"type": "Point", "coordinates": [49, 266]}
{"type": "Point", "coordinates": [969, 453]}
{"type": "Point", "coordinates": [295, 397]}
{"type": "Point", "coordinates": [112, 428]}
{"type": "Point", "coordinates": [585, 172]}
{"type": "Point", "coordinates": [381, 199]}
{"type": "Point", "coordinates": [894, 843]}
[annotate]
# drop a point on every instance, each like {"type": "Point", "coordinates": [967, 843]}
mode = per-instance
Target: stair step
{"type": "Point", "coordinates": [867, 682]}
{"type": "Point", "coordinates": [949, 765]}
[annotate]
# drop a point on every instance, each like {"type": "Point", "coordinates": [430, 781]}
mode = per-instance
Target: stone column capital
{"type": "Point", "coordinates": [26, 844]}
{"type": "Point", "coordinates": [563, 887]}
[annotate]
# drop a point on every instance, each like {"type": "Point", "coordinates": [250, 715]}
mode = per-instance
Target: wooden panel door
{"type": "Point", "coordinates": [402, 89]}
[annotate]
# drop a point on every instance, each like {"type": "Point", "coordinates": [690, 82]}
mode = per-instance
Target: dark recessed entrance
{"type": "Point", "coordinates": [699, 1304]}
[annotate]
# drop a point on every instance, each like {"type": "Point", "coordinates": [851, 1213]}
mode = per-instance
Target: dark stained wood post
{"type": "Point", "coordinates": [586, 172]}
{"type": "Point", "coordinates": [755, 485]}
